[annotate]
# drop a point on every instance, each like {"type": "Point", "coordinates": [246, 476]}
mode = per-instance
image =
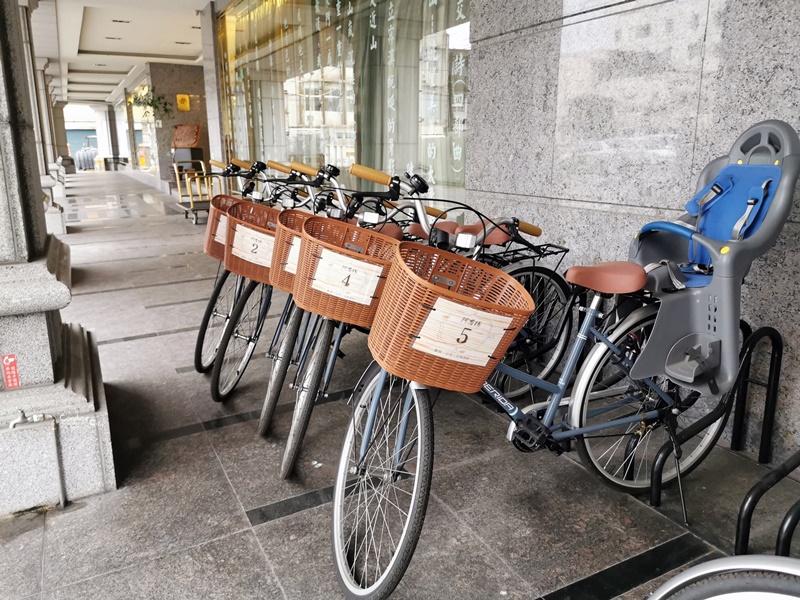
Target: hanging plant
{"type": "Point", "coordinates": [159, 106]}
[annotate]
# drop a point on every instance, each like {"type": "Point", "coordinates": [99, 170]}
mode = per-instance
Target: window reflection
{"type": "Point", "coordinates": [380, 82]}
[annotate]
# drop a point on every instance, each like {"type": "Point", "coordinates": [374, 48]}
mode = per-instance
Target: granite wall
{"type": "Point", "coordinates": [168, 81]}
{"type": "Point", "coordinates": [597, 116]}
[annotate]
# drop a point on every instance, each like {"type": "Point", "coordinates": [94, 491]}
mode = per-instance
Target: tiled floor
{"type": "Point", "coordinates": [201, 513]}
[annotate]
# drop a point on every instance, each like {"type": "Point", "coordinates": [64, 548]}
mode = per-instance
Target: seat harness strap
{"type": "Point", "coordinates": [757, 194]}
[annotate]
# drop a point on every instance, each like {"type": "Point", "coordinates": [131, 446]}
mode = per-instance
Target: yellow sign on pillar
{"type": "Point", "coordinates": [183, 102]}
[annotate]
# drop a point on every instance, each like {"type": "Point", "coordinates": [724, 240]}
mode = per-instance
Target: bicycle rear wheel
{"type": "Point", "coordinates": [623, 456]}
{"type": "Point", "coordinates": [307, 396]}
{"type": "Point", "coordinates": [540, 345]}
{"type": "Point", "coordinates": [382, 484]}
{"type": "Point", "coordinates": [215, 318]}
{"type": "Point", "coordinates": [239, 340]}
{"type": "Point", "coordinates": [280, 366]}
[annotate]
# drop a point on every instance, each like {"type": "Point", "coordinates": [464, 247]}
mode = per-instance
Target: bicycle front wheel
{"type": "Point", "coordinates": [239, 340]}
{"type": "Point", "coordinates": [541, 344]}
{"type": "Point", "coordinates": [622, 456]}
{"type": "Point", "coordinates": [382, 484]}
{"type": "Point", "coordinates": [307, 396]}
{"type": "Point", "coordinates": [215, 318]}
{"type": "Point", "coordinates": [280, 366]}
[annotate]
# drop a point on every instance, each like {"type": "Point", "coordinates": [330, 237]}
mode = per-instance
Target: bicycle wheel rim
{"type": "Point", "coordinates": [550, 294]}
{"type": "Point", "coordinates": [623, 455]}
{"type": "Point", "coordinates": [241, 342]}
{"type": "Point", "coordinates": [353, 566]}
{"type": "Point", "coordinates": [217, 320]}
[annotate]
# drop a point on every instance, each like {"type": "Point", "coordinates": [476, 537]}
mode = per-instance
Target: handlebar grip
{"type": "Point", "coordinates": [276, 166]}
{"type": "Point", "coordinates": [370, 174]}
{"type": "Point", "coordinates": [216, 163]}
{"type": "Point", "coordinates": [529, 229]}
{"type": "Point", "coordinates": [304, 169]}
{"type": "Point", "coordinates": [434, 212]}
{"type": "Point", "coordinates": [241, 164]}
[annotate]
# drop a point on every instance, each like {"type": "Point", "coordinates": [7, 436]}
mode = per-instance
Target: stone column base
{"type": "Point", "coordinates": [61, 448]}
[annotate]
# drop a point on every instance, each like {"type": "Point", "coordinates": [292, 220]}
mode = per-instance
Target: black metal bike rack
{"type": "Point", "coordinates": [739, 393]}
{"type": "Point", "coordinates": [788, 525]}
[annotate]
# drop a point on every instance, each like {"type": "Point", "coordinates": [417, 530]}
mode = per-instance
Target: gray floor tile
{"type": "Point", "coordinates": [547, 517]}
{"type": "Point", "coordinates": [253, 463]}
{"type": "Point", "coordinates": [714, 492]}
{"type": "Point", "coordinates": [231, 567]}
{"type": "Point", "coordinates": [173, 496]}
{"type": "Point", "coordinates": [21, 555]}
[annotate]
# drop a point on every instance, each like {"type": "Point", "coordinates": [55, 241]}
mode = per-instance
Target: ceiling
{"type": "Point", "coordinates": [93, 45]}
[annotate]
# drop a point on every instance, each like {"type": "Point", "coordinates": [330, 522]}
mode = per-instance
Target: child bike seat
{"type": "Point", "coordinates": [741, 204]}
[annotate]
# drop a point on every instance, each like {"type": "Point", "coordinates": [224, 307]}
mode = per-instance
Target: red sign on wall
{"type": "Point", "coordinates": [10, 370]}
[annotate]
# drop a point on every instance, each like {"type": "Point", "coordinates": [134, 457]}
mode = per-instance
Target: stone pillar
{"type": "Point", "coordinates": [43, 103]}
{"type": "Point", "coordinates": [211, 66]}
{"type": "Point", "coordinates": [60, 129]}
{"type": "Point", "coordinates": [30, 61]}
{"type": "Point", "coordinates": [54, 437]}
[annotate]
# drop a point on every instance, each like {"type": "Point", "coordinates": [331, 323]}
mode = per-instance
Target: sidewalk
{"type": "Point", "coordinates": [200, 511]}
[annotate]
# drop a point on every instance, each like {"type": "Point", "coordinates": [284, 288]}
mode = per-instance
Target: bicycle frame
{"type": "Point", "coordinates": [555, 431]}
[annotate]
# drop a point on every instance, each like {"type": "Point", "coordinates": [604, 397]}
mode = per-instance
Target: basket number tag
{"type": "Point", "coordinates": [253, 246]}
{"type": "Point", "coordinates": [221, 234]}
{"type": "Point", "coordinates": [347, 278]}
{"type": "Point", "coordinates": [460, 333]}
{"type": "Point", "coordinates": [294, 256]}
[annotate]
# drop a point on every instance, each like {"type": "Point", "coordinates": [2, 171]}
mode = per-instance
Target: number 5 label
{"type": "Point", "coordinates": [461, 333]}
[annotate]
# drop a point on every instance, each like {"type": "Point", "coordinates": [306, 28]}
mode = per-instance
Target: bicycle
{"type": "Point", "coordinates": [447, 322]}
{"type": "Point", "coordinates": [227, 290]}
{"type": "Point", "coordinates": [317, 353]}
{"type": "Point", "coordinates": [238, 342]}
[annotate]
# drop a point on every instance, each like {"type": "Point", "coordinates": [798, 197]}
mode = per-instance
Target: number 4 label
{"type": "Point", "coordinates": [347, 278]}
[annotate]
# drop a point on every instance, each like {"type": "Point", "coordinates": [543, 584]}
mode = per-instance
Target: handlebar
{"type": "Point", "coordinates": [671, 228]}
{"type": "Point", "coordinates": [304, 169]}
{"type": "Point", "coordinates": [529, 228]}
{"type": "Point", "coordinates": [240, 163]}
{"type": "Point", "coordinates": [216, 163]}
{"type": "Point", "coordinates": [372, 175]}
{"type": "Point", "coordinates": [276, 166]}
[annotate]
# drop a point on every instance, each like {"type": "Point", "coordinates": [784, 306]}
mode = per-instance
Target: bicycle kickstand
{"type": "Point", "coordinates": [677, 453]}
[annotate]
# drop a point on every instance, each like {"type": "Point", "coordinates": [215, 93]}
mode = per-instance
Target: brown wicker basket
{"type": "Point", "coordinates": [286, 254]}
{"type": "Point", "coordinates": [445, 320]}
{"type": "Point", "coordinates": [251, 238]}
{"type": "Point", "coordinates": [217, 227]}
{"type": "Point", "coordinates": [342, 270]}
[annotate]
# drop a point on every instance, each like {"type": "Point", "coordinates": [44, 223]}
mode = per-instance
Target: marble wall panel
{"type": "Point", "coordinates": [513, 86]}
{"type": "Point", "coordinates": [624, 134]}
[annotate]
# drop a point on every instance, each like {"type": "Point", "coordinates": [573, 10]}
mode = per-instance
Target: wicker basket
{"type": "Point", "coordinates": [446, 320]}
{"type": "Point", "coordinates": [251, 238]}
{"type": "Point", "coordinates": [286, 254]}
{"type": "Point", "coordinates": [342, 270]}
{"type": "Point", "coordinates": [217, 228]}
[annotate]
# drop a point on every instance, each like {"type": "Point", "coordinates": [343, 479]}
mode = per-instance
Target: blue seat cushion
{"type": "Point", "coordinates": [718, 217]}
{"type": "Point", "coordinates": [695, 279]}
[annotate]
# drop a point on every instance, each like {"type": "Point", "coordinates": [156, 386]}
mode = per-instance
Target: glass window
{"type": "Point", "coordinates": [379, 82]}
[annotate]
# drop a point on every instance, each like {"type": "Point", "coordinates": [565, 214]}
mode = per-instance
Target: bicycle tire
{"type": "Point", "coordinates": [551, 294]}
{"type": "Point", "coordinates": [280, 366]}
{"type": "Point", "coordinates": [628, 468]}
{"type": "Point", "coordinates": [307, 396]}
{"type": "Point", "coordinates": [374, 481]}
{"type": "Point", "coordinates": [215, 318]}
{"type": "Point", "coordinates": [754, 584]}
{"type": "Point", "coordinates": [234, 353]}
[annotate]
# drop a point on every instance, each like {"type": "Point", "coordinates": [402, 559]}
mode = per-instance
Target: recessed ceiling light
{"type": "Point", "coordinates": [100, 65]}
{"type": "Point", "coordinates": [113, 38]}
{"type": "Point", "coordinates": [184, 43]}
{"type": "Point", "coordinates": [119, 21]}
{"type": "Point", "coordinates": [196, 27]}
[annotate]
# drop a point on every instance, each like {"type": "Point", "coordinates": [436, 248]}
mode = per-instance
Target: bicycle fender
{"type": "Point", "coordinates": [582, 379]}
